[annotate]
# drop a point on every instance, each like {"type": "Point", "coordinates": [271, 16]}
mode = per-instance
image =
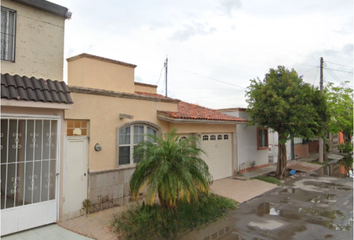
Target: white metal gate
{"type": "Point", "coordinates": [29, 153]}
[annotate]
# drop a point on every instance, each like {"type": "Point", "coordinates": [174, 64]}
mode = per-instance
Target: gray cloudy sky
{"type": "Point", "coordinates": [215, 47]}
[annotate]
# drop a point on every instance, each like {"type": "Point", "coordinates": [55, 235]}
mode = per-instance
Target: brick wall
{"type": "Point", "coordinates": [313, 147]}
{"type": "Point", "coordinates": [301, 150]}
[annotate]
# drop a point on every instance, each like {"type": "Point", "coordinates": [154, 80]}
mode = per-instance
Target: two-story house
{"type": "Point", "coordinates": [33, 100]}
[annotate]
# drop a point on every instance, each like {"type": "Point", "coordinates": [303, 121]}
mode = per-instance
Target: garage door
{"type": "Point", "coordinates": [218, 149]}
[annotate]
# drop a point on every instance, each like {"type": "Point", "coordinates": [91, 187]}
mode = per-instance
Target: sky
{"type": "Point", "coordinates": [214, 47]}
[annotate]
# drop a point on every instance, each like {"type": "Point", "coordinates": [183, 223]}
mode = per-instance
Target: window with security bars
{"type": "Point", "coordinates": [29, 153]}
{"type": "Point", "coordinates": [129, 137]}
{"type": "Point", "coordinates": [8, 34]}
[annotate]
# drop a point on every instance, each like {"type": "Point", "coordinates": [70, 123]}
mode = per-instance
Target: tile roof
{"type": "Point", "coordinates": [33, 89]}
{"type": "Point", "coordinates": [193, 111]}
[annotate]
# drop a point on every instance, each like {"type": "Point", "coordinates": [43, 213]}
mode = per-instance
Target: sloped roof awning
{"type": "Point", "coordinates": [33, 90]}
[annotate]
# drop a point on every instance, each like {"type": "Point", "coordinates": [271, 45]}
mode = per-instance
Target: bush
{"type": "Point", "coordinates": [141, 220]}
{"type": "Point", "coordinates": [327, 148]}
{"type": "Point", "coordinates": [341, 147]}
{"type": "Point", "coordinates": [348, 148]}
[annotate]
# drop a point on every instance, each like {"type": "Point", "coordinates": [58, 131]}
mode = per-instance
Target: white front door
{"type": "Point", "coordinates": [75, 176]}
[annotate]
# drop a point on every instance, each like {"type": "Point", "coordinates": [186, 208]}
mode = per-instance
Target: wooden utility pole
{"type": "Point", "coordinates": [320, 140]}
{"type": "Point", "coordinates": [166, 61]}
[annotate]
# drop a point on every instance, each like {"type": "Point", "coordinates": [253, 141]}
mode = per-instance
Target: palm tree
{"type": "Point", "coordinates": [171, 169]}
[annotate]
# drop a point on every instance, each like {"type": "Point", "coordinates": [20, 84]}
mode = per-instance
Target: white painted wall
{"type": "Point", "coordinates": [273, 146]}
{"type": "Point", "coordinates": [247, 143]}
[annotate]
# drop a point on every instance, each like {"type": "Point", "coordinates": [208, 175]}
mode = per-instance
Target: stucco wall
{"type": "Point", "coordinates": [144, 88]}
{"type": "Point", "coordinates": [100, 73]}
{"type": "Point", "coordinates": [187, 128]}
{"type": "Point", "coordinates": [103, 115]}
{"type": "Point", "coordinates": [247, 148]}
{"type": "Point", "coordinates": [39, 43]}
{"type": "Point", "coordinates": [247, 144]}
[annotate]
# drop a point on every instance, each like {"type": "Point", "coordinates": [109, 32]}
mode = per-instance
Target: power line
{"type": "Point", "coordinates": [160, 75]}
{"type": "Point", "coordinates": [340, 64]}
{"type": "Point", "coordinates": [315, 77]}
{"type": "Point", "coordinates": [339, 70]}
{"type": "Point", "coordinates": [214, 79]}
{"type": "Point", "coordinates": [338, 80]}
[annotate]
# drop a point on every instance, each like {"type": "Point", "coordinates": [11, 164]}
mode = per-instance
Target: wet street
{"type": "Point", "coordinates": [308, 207]}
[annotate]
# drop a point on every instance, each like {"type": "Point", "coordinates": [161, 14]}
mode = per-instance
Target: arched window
{"type": "Point", "coordinates": [205, 137]}
{"type": "Point", "coordinates": [129, 137]}
{"type": "Point", "coordinates": [212, 137]}
{"type": "Point", "coordinates": [219, 137]}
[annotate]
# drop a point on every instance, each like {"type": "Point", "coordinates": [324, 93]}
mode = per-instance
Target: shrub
{"type": "Point", "coordinates": [141, 220]}
{"type": "Point", "coordinates": [86, 206]}
{"type": "Point", "coordinates": [327, 148]}
{"type": "Point", "coordinates": [341, 147]}
{"type": "Point", "coordinates": [348, 148]}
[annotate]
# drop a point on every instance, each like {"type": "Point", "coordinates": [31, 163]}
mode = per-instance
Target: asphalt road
{"type": "Point", "coordinates": [307, 207]}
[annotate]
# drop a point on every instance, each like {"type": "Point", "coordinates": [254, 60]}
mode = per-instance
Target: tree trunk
{"type": "Point", "coordinates": [282, 159]}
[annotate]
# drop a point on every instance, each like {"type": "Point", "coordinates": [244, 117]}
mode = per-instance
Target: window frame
{"type": "Point", "coordinates": [267, 140]}
{"type": "Point", "coordinates": [131, 144]}
{"type": "Point", "coordinates": [9, 57]}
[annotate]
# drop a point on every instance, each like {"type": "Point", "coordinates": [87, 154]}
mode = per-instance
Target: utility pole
{"type": "Point", "coordinates": [166, 61]}
{"type": "Point", "coordinates": [320, 140]}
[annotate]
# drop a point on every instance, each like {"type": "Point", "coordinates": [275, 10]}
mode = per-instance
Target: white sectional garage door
{"type": "Point", "coordinates": [218, 148]}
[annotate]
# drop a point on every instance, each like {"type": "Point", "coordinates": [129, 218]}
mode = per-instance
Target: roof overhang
{"type": "Point", "coordinates": [101, 92]}
{"type": "Point", "coordinates": [163, 117]}
{"type": "Point", "coordinates": [47, 7]}
{"type": "Point", "coordinates": [31, 104]}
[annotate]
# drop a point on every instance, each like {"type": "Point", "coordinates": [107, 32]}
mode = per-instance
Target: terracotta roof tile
{"type": "Point", "coordinates": [193, 111]}
{"type": "Point", "coordinates": [33, 89]}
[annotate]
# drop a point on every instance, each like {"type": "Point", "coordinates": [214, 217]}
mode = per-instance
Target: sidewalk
{"type": "Point", "coordinates": [52, 231]}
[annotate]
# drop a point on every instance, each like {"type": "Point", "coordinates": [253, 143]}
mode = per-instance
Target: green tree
{"type": "Point", "coordinates": [286, 104]}
{"type": "Point", "coordinates": [171, 169]}
{"type": "Point", "coordinates": [340, 106]}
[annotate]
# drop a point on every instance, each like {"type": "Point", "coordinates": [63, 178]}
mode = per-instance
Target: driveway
{"type": "Point", "coordinates": [307, 207]}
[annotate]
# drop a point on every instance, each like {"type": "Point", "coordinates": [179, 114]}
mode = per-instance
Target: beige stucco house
{"type": "Point", "coordinates": [111, 114]}
{"type": "Point", "coordinates": [33, 100]}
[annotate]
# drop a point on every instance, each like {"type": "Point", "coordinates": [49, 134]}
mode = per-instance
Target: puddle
{"type": "Point", "coordinates": [339, 169]}
{"type": "Point", "coordinates": [331, 225]}
{"type": "Point", "coordinates": [331, 186]}
{"type": "Point", "coordinates": [323, 213]}
{"type": "Point", "coordinates": [266, 225]}
{"type": "Point", "coordinates": [267, 208]}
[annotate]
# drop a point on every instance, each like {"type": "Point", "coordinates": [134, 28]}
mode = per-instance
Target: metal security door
{"type": "Point", "coordinates": [29, 153]}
